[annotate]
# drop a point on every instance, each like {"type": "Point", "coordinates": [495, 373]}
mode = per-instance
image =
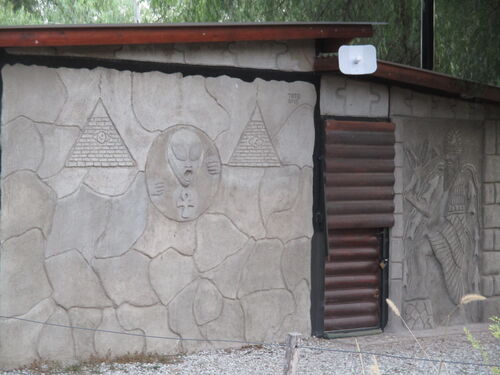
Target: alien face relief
{"type": "Point", "coordinates": [185, 155]}
{"type": "Point", "coordinates": [182, 172]}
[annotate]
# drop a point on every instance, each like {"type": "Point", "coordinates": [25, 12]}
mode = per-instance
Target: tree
{"type": "Point", "coordinates": [467, 38]}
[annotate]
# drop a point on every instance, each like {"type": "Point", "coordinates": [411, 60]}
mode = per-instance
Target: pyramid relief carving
{"type": "Point", "coordinates": [254, 148]}
{"type": "Point", "coordinates": [100, 144]}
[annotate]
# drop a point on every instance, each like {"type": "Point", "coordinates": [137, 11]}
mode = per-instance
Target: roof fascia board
{"type": "Point", "coordinates": [95, 35]}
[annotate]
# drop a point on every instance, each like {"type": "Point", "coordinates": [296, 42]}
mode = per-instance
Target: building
{"type": "Point", "coordinates": [226, 182]}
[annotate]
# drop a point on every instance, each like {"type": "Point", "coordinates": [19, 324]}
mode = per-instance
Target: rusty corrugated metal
{"type": "Point", "coordinates": [359, 180]}
{"type": "Point", "coordinates": [352, 280]}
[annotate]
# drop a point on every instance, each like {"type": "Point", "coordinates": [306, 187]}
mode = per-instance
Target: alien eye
{"type": "Point", "coordinates": [195, 152]}
{"type": "Point", "coordinates": [180, 152]}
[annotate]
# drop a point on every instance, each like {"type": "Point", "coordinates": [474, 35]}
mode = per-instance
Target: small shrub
{"type": "Point", "coordinates": [494, 328]}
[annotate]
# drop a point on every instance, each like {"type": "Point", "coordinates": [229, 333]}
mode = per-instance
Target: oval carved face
{"type": "Point", "coordinates": [184, 154]}
{"type": "Point", "coordinates": [182, 172]}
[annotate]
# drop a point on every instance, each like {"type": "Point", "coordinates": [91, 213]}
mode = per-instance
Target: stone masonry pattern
{"type": "Point", "coordinates": [491, 215]}
{"type": "Point", "coordinates": [86, 246]}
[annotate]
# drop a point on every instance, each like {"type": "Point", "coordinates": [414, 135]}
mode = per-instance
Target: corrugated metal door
{"type": "Point", "coordinates": [359, 179]}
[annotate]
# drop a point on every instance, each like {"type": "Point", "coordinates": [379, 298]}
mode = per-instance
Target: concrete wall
{"type": "Point", "coordinates": [279, 55]}
{"type": "Point", "coordinates": [152, 204]}
{"type": "Point", "coordinates": [443, 243]}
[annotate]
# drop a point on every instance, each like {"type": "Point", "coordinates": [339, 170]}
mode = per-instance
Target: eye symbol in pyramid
{"type": "Point", "coordinates": [101, 137]}
{"type": "Point", "coordinates": [255, 142]}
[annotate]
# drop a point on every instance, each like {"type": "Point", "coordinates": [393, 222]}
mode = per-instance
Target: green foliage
{"type": "Point", "coordinates": [467, 41]}
{"type": "Point", "coordinates": [398, 41]}
{"type": "Point", "coordinates": [11, 14]}
{"type": "Point", "coordinates": [495, 326]}
{"type": "Point", "coordinates": [476, 344]}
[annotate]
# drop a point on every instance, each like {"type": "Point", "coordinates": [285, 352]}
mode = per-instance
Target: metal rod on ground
{"type": "Point", "coordinates": [292, 353]}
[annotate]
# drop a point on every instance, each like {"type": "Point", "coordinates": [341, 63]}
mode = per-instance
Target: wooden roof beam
{"type": "Point", "coordinates": [94, 35]}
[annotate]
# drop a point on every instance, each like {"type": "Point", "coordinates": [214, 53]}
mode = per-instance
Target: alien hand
{"type": "Point", "coordinates": [157, 188]}
{"type": "Point", "coordinates": [213, 165]}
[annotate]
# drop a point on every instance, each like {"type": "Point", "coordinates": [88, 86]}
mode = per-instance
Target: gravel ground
{"type": "Point", "coordinates": [270, 359]}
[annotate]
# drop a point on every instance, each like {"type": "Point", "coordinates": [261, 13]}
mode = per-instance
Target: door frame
{"type": "Point", "coordinates": [319, 241]}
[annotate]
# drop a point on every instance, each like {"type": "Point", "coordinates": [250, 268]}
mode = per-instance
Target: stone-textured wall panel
{"type": "Point", "coordinates": [491, 216]}
{"type": "Point", "coordinates": [82, 86]}
{"type": "Point", "coordinates": [115, 345]}
{"type": "Point", "coordinates": [259, 324]}
{"type": "Point", "coordinates": [14, 156]}
{"type": "Point", "coordinates": [238, 199]}
{"type": "Point", "coordinates": [84, 339]}
{"type": "Point", "coordinates": [288, 97]}
{"type": "Point", "coordinates": [26, 203]}
{"type": "Point", "coordinates": [279, 190]}
{"type": "Point", "coordinates": [238, 99]}
{"type": "Point", "coordinates": [347, 97]}
{"type": "Point", "coordinates": [79, 220]}
{"type": "Point", "coordinates": [491, 263]}
{"type": "Point", "coordinates": [126, 279]}
{"type": "Point", "coordinates": [228, 326]}
{"type": "Point", "coordinates": [149, 52]}
{"type": "Point", "coordinates": [490, 280]}
{"type": "Point", "coordinates": [299, 57]}
{"type": "Point", "coordinates": [216, 238]}
{"type": "Point", "coordinates": [295, 134]}
{"type": "Point", "coordinates": [161, 101]}
{"type": "Point", "coordinates": [170, 272]}
{"type": "Point", "coordinates": [296, 221]}
{"type": "Point", "coordinates": [162, 233]}
{"type": "Point", "coordinates": [300, 320]}
{"type": "Point", "coordinates": [62, 269]}
{"type": "Point", "coordinates": [153, 320]}
{"type": "Point", "coordinates": [159, 204]}
{"type": "Point", "coordinates": [227, 275]}
{"type": "Point", "coordinates": [406, 102]}
{"type": "Point", "coordinates": [23, 281]}
{"type": "Point", "coordinates": [25, 93]}
{"type": "Point", "coordinates": [116, 94]}
{"type": "Point", "coordinates": [156, 99]}
{"type": "Point", "coordinates": [67, 181]}
{"type": "Point", "coordinates": [284, 55]}
{"type": "Point", "coordinates": [182, 321]}
{"type": "Point", "coordinates": [57, 142]}
{"type": "Point", "coordinates": [18, 341]}
{"type": "Point", "coordinates": [57, 342]}
{"type": "Point", "coordinates": [492, 168]}
{"type": "Point", "coordinates": [257, 55]}
{"type": "Point", "coordinates": [126, 221]}
{"type": "Point", "coordinates": [208, 303]}
{"type": "Point", "coordinates": [262, 270]}
{"type": "Point", "coordinates": [295, 262]}
{"type": "Point", "coordinates": [111, 182]}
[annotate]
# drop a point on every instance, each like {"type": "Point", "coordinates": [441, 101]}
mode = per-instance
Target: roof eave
{"type": "Point", "coordinates": [96, 35]}
{"type": "Point", "coordinates": [420, 78]}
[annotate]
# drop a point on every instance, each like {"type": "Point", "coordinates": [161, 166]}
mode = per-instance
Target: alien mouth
{"type": "Point", "coordinates": [188, 173]}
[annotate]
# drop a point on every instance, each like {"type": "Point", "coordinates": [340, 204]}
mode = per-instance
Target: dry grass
{"type": "Point", "coordinates": [92, 364]}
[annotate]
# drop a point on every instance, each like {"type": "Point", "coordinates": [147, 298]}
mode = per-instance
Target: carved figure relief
{"type": "Point", "coordinates": [100, 144]}
{"type": "Point", "coordinates": [182, 171]}
{"type": "Point", "coordinates": [254, 148]}
{"type": "Point", "coordinates": [443, 222]}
